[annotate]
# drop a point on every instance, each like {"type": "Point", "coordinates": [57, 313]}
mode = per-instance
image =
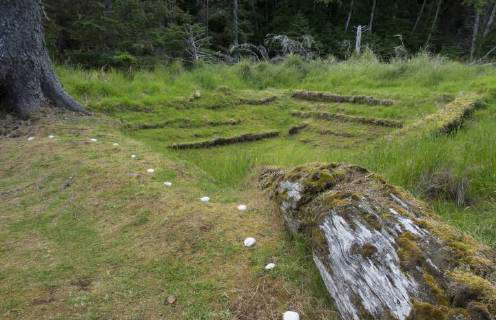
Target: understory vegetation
{"type": "Point", "coordinates": [110, 241]}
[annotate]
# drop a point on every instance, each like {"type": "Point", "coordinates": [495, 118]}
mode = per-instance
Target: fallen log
{"type": "Point", "coordinates": [255, 102]}
{"type": "Point", "coordinates": [347, 118]}
{"type": "Point", "coordinates": [329, 97]}
{"type": "Point", "coordinates": [182, 123]}
{"type": "Point", "coordinates": [448, 119]}
{"type": "Point", "coordinates": [296, 129]}
{"type": "Point", "coordinates": [249, 137]}
{"type": "Point", "coordinates": [381, 253]}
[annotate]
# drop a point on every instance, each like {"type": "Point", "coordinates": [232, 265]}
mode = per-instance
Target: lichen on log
{"type": "Point", "coordinates": [330, 97]}
{"type": "Point", "coordinates": [381, 253]}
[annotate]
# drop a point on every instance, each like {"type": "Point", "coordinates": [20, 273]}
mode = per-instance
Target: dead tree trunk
{"type": "Point", "coordinates": [381, 253]}
{"type": "Point", "coordinates": [27, 78]}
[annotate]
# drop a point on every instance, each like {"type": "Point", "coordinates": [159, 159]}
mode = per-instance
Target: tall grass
{"type": "Point", "coordinates": [418, 77]}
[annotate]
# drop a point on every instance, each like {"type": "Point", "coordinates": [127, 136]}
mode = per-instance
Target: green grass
{"type": "Point", "coordinates": [420, 86]}
{"type": "Point", "coordinates": [137, 242]}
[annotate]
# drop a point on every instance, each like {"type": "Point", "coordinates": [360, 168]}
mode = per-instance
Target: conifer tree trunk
{"type": "Point", "coordinates": [348, 19]}
{"type": "Point", "coordinates": [372, 14]}
{"type": "Point", "coordinates": [419, 16]}
{"type": "Point", "coordinates": [27, 78]}
{"type": "Point", "coordinates": [474, 34]}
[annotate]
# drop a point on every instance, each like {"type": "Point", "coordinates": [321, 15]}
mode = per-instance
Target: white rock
{"type": "Point", "coordinates": [30, 138]}
{"type": "Point", "coordinates": [168, 184]}
{"type": "Point", "coordinates": [204, 199]}
{"type": "Point", "coordinates": [270, 266]}
{"type": "Point", "coordinates": [242, 207]}
{"type": "Point", "coordinates": [150, 170]}
{"type": "Point", "coordinates": [290, 315]}
{"type": "Point", "coordinates": [51, 136]}
{"type": "Point", "coordinates": [133, 156]}
{"type": "Point", "coordinates": [115, 144]}
{"type": "Point", "coordinates": [249, 242]}
{"type": "Point", "coordinates": [93, 140]}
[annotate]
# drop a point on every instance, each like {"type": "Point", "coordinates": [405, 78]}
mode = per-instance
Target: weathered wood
{"type": "Point", "coordinates": [330, 97]}
{"type": "Point", "coordinates": [381, 253]}
{"type": "Point", "coordinates": [249, 137]}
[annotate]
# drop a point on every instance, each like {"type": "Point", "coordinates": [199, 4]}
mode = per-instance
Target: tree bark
{"type": "Point", "coordinates": [27, 78]}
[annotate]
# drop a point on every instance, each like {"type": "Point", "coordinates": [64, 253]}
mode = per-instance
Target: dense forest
{"type": "Point", "coordinates": [98, 33]}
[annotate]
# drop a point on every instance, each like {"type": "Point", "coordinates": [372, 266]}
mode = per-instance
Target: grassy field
{"type": "Point", "coordinates": [89, 234]}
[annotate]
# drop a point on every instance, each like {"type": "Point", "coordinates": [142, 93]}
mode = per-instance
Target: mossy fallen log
{"type": "Point", "coordinates": [329, 97]}
{"type": "Point", "coordinates": [296, 129]}
{"type": "Point", "coordinates": [448, 119]}
{"type": "Point", "coordinates": [381, 253]}
{"type": "Point", "coordinates": [256, 102]}
{"type": "Point", "coordinates": [249, 137]}
{"type": "Point", "coordinates": [347, 118]}
{"type": "Point", "coordinates": [182, 123]}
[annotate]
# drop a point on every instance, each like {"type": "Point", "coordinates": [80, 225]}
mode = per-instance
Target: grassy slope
{"type": "Point", "coordinates": [136, 242]}
{"type": "Point", "coordinates": [87, 233]}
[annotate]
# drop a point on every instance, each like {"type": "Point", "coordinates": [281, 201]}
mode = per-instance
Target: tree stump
{"type": "Point", "coordinates": [381, 253]}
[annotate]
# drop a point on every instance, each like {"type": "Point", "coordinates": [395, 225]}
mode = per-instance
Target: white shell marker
{"type": "Point", "coordinates": [115, 144]}
{"type": "Point", "coordinates": [93, 140]}
{"type": "Point", "coordinates": [242, 207]}
{"type": "Point", "coordinates": [249, 242]}
{"type": "Point", "coordinates": [51, 136]}
{"type": "Point", "coordinates": [290, 315]}
{"type": "Point", "coordinates": [30, 138]}
{"type": "Point", "coordinates": [150, 170]}
{"type": "Point", "coordinates": [168, 184]}
{"type": "Point", "coordinates": [204, 199]}
{"type": "Point", "coordinates": [270, 266]}
{"type": "Point", "coordinates": [133, 156]}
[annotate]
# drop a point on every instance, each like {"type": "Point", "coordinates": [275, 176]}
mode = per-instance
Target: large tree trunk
{"type": "Point", "coordinates": [382, 254]}
{"type": "Point", "coordinates": [27, 78]}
